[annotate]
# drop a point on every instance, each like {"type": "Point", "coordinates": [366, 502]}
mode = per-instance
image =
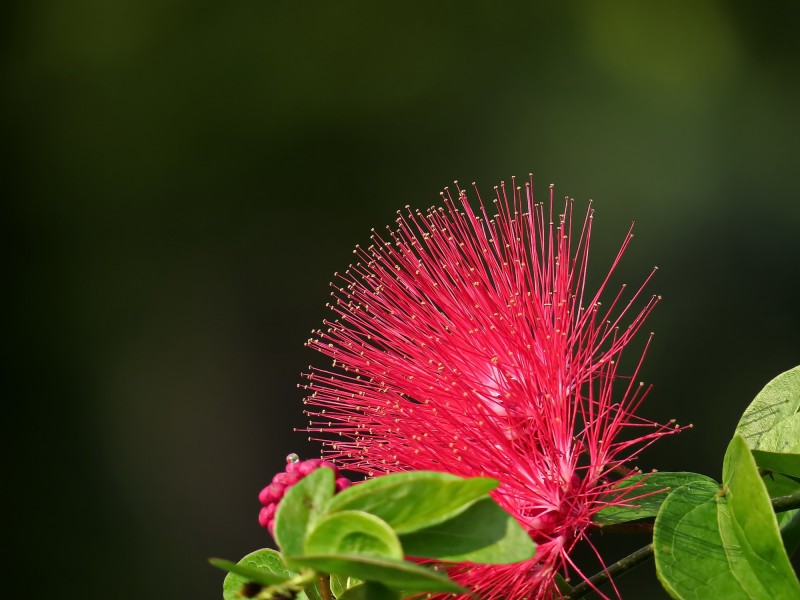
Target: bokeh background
{"type": "Point", "coordinates": [183, 178]}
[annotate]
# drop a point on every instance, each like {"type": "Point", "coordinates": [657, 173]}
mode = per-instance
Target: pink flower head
{"type": "Point", "coordinates": [470, 344]}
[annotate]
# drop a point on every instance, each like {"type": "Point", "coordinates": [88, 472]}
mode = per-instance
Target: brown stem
{"type": "Point", "coordinates": [619, 567]}
{"type": "Point", "coordinates": [785, 503]}
{"type": "Point", "coordinates": [324, 584]}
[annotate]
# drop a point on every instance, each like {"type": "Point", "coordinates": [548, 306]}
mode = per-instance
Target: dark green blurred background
{"type": "Point", "coordinates": [184, 177]}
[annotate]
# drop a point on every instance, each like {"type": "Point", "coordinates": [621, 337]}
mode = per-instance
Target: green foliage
{"type": "Point", "coordinates": [726, 541]}
{"type": "Point", "coordinates": [311, 592]}
{"type": "Point", "coordinates": [353, 532]}
{"type": "Point", "coordinates": [723, 541]}
{"type": "Point", "coordinates": [771, 424]}
{"type": "Point", "coordinates": [258, 575]}
{"type": "Point", "coordinates": [340, 584]}
{"type": "Point", "coordinates": [750, 523]}
{"type": "Point", "coordinates": [771, 427]}
{"type": "Point", "coordinates": [264, 566]}
{"type": "Point", "coordinates": [690, 560]}
{"type": "Point", "coordinates": [361, 536]}
{"type": "Point", "coordinates": [648, 494]}
{"type": "Point", "coordinates": [413, 500]}
{"type": "Point", "coordinates": [300, 508]}
{"type": "Point", "coordinates": [394, 573]}
{"type": "Point", "coordinates": [483, 533]}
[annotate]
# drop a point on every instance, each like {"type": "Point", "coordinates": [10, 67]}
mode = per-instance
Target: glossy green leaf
{"type": "Point", "coordinates": [780, 462]}
{"type": "Point", "coordinates": [249, 573]}
{"type": "Point", "coordinates": [690, 558]}
{"type": "Point", "coordinates": [753, 527]}
{"type": "Point", "coordinates": [723, 542]}
{"type": "Point", "coordinates": [353, 532]}
{"type": "Point", "coordinates": [413, 500]}
{"type": "Point", "coordinates": [262, 566]}
{"type": "Point", "coordinates": [311, 592]}
{"type": "Point", "coordinates": [370, 591]}
{"type": "Point", "coordinates": [483, 533]}
{"type": "Point", "coordinates": [397, 574]}
{"type": "Point", "coordinates": [339, 584]}
{"type": "Point", "coordinates": [771, 424]}
{"type": "Point", "coordinates": [644, 503]}
{"type": "Point", "coordinates": [300, 508]}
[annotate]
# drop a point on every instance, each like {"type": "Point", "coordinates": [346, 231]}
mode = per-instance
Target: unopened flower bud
{"type": "Point", "coordinates": [271, 493]}
{"type": "Point", "coordinates": [304, 468]}
{"type": "Point", "coordinates": [296, 469]}
{"type": "Point", "coordinates": [264, 516]}
{"type": "Point", "coordinates": [286, 479]}
{"type": "Point", "coordinates": [293, 468]}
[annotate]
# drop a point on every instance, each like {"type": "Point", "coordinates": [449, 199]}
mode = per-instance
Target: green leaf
{"type": "Point", "coordinates": [338, 585]}
{"type": "Point", "coordinates": [310, 592]}
{"type": "Point", "coordinates": [781, 462]}
{"type": "Point", "coordinates": [300, 508]}
{"type": "Point", "coordinates": [413, 500]}
{"type": "Point", "coordinates": [723, 542]}
{"type": "Point", "coordinates": [647, 506]}
{"type": "Point", "coordinates": [771, 424]}
{"type": "Point", "coordinates": [397, 574]}
{"type": "Point", "coordinates": [757, 526]}
{"type": "Point", "coordinates": [689, 555]}
{"type": "Point", "coordinates": [483, 533]}
{"type": "Point", "coordinates": [262, 566]}
{"type": "Point", "coordinates": [353, 532]}
{"type": "Point", "coordinates": [370, 590]}
{"type": "Point", "coordinates": [249, 573]}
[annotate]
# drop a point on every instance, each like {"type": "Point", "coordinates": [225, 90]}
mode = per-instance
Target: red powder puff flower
{"type": "Point", "coordinates": [470, 344]}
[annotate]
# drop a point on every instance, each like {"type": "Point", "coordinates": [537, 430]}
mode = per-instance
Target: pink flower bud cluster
{"type": "Point", "coordinates": [296, 469]}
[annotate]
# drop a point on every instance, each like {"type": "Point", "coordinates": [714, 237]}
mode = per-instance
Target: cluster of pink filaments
{"type": "Point", "coordinates": [296, 469]}
{"type": "Point", "coordinates": [470, 344]}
